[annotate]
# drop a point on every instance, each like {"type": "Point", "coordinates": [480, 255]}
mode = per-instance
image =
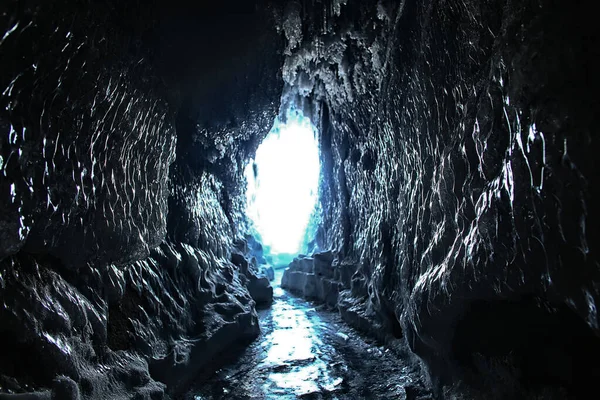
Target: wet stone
{"type": "Point", "coordinates": [307, 352]}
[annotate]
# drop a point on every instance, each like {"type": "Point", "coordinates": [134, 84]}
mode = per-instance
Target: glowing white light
{"type": "Point", "coordinates": [283, 194]}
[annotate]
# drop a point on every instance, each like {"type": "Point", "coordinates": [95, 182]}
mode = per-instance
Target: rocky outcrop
{"type": "Point", "coordinates": [255, 279]}
{"type": "Point", "coordinates": [313, 278]}
{"type": "Point", "coordinates": [162, 319]}
{"type": "Point", "coordinates": [324, 279]}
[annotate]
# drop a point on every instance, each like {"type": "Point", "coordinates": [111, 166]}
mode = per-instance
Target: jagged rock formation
{"type": "Point", "coordinates": [255, 279]}
{"type": "Point", "coordinates": [122, 193]}
{"type": "Point", "coordinates": [323, 278]}
{"type": "Point", "coordinates": [314, 278]}
{"type": "Point", "coordinates": [458, 192]}
{"type": "Point", "coordinates": [459, 179]}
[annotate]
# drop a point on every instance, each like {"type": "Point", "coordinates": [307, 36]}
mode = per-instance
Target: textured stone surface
{"type": "Point", "coordinates": [459, 186]}
{"type": "Point", "coordinates": [80, 119]}
{"type": "Point", "coordinates": [323, 278]}
{"type": "Point", "coordinates": [123, 133]}
{"type": "Point", "coordinates": [258, 284]}
{"type": "Point", "coordinates": [308, 352]}
{"type": "Point", "coordinates": [313, 278]}
{"type": "Point", "coordinates": [458, 151]}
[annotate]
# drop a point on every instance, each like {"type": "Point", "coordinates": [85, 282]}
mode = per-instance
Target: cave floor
{"type": "Point", "coordinates": [307, 352]}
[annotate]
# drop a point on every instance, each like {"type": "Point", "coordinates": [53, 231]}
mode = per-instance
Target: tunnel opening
{"type": "Point", "coordinates": [525, 346]}
{"type": "Point", "coordinates": [282, 188]}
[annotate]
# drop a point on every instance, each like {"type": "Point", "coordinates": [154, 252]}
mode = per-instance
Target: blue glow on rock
{"type": "Point", "coordinates": [283, 184]}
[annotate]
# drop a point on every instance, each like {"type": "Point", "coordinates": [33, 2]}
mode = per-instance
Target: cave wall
{"type": "Point", "coordinates": [124, 130]}
{"type": "Point", "coordinates": [81, 115]}
{"type": "Point", "coordinates": [458, 184]}
{"type": "Point", "coordinates": [459, 180]}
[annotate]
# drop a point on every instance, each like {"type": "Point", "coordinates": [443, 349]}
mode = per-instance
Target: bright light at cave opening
{"type": "Point", "coordinates": [283, 184]}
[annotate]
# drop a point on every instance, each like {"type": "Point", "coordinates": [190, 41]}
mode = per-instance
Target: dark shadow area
{"type": "Point", "coordinates": [119, 325]}
{"type": "Point", "coordinates": [15, 364]}
{"type": "Point", "coordinates": [525, 345]}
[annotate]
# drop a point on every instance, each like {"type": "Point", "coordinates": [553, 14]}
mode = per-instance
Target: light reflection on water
{"type": "Point", "coordinates": [294, 355]}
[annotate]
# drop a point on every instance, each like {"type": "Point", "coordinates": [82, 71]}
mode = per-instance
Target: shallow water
{"type": "Point", "coordinates": [308, 352]}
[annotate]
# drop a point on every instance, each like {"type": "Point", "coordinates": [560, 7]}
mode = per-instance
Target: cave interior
{"type": "Point", "coordinates": [453, 228]}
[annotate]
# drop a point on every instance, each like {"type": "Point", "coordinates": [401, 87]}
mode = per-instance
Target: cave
{"type": "Point", "coordinates": [438, 239]}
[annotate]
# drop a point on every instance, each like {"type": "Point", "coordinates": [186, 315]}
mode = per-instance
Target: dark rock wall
{"type": "Point", "coordinates": [460, 178]}
{"type": "Point", "coordinates": [229, 86]}
{"type": "Point", "coordinates": [123, 133]}
{"type": "Point", "coordinates": [458, 192]}
{"type": "Point", "coordinates": [81, 116]}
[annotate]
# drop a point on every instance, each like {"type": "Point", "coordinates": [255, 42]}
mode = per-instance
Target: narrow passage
{"type": "Point", "coordinates": [307, 352]}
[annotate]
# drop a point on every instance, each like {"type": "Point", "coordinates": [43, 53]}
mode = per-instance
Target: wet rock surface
{"type": "Point", "coordinates": [121, 193]}
{"type": "Point", "coordinates": [307, 352]}
{"type": "Point", "coordinates": [313, 278]}
{"type": "Point", "coordinates": [458, 143]}
{"type": "Point", "coordinates": [458, 196]}
{"type": "Point", "coordinates": [323, 278]}
{"type": "Point", "coordinates": [165, 319]}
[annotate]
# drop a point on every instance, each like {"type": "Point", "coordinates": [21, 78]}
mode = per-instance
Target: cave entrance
{"type": "Point", "coordinates": [282, 187]}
